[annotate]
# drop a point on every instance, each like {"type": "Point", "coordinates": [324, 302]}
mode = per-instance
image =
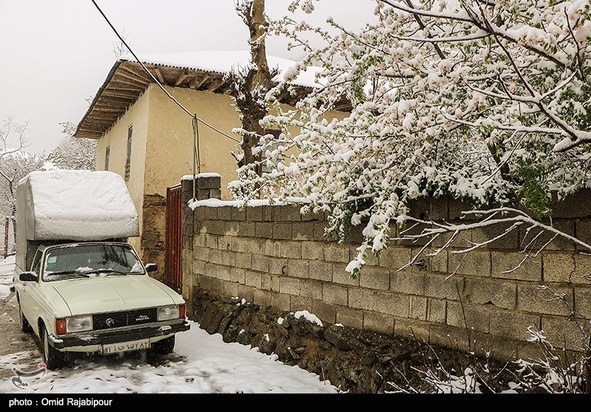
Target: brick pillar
{"type": "Point", "coordinates": [207, 185]}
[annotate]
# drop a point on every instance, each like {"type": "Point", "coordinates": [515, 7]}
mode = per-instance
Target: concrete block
{"type": "Point", "coordinates": [470, 317]}
{"type": "Point", "coordinates": [391, 304]}
{"type": "Point", "coordinates": [260, 263]}
{"type": "Point", "coordinates": [442, 287]}
{"type": "Point", "coordinates": [378, 323]}
{"type": "Point", "coordinates": [502, 294]}
{"type": "Point", "coordinates": [352, 318]}
{"type": "Point", "coordinates": [334, 294]}
{"type": "Point", "coordinates": [253, 279]}
{"type": "Point", "coordinates": [289, 286]}
{"type": "Point", "coordinates": [564, 333]}
{"type": "Point", "coordinates": [290, 249]}
{"type": "Point", "coordinates": [411, 328]}
{"type": "Point", "coordinates": [243, 260]}
{"type": "Point", "coordinates": [312, 250]}
{"type": "Point", "coordinates": [320, 271]}
{"type": "Point", "coordinates": [474, 263]}
{"type": "Point", "coordinates": [511, 324]}
{"type": "Point", "coordinates": [582, 273]}
{"type": "Point", "coordinates": [558, 267]}
{"type": "Point", "coordinates": [277, 266]}
{"type": "Point", "coordinates": [582, 304]}
{"type": "Point", "coordinates": [418, 307]}
{"type": "Point", "coordinates": [297, 268]}
{"type": "Point", "coordinates": [263, 230]}
{"type": "Point", "coordinates": [262, 298]}
{"type": "Point", "coordinates": [516, 266]}
{"type": "Point", "coordinates": [254, 214]}
{"type": "Point", "coordinates": [246, 229]}
{"type": "Point", "coordinates": [340, 276]}
{"type": "Point", "coordinates": [311, 289]}
{"type": "Point", "coordinates": [374, 277]}
{"type": "Point", "coordinates": [395, 257]}
{"type": "Point", "coordinates": [408, 282]}
{"type": "Point", "coordinates": [280, 301]}
{"type": "Point", "coordinates": [302, 231]}
{"type": "Point", "coordinates": [336, 252]}
{"type": "Point", "coordinates": [436, 310]}
{"type": "Point", "coordinates": [361, 298]}
{"type": "Point", "coordinates": [282, 231]}
{"type": "Point", "coordinates": [230, 289]}
{"type": "Point", "coordinates": [238, 275]}
{"type": "Point", "coordinates": [325, 312]}
{"type": "Point", "coordinates": [550, 299]}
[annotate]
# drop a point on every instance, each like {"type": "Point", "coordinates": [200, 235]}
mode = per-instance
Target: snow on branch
{"type": "Point", "coordinates": [509, 217]}
{"type": "Point", "coordinates": [481, 101]}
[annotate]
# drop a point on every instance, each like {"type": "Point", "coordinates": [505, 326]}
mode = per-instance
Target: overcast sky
{"type": "Point", "coordinates": [56, 54]}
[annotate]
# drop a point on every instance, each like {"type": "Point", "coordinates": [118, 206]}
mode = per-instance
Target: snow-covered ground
{"type": "Point", "coordinates": [201, 363]}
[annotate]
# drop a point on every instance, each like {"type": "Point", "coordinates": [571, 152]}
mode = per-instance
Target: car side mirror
{"type": "Point", "coordinates": [28, 277]}
{"type": "Point", "coordinates": [151, 267]}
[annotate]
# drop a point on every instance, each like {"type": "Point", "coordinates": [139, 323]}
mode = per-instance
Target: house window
{"type": "Point", "coordinates": [128, 158]}
{"type": "Point", "coordinates": [107, 156]}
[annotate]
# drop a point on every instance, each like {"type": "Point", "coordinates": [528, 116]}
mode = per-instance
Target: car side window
{"type": "Point", "coordinates": [37, 262]}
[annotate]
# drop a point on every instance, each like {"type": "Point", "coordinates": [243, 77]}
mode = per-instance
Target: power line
{"type": "Point", "coordinates": [170, 96]}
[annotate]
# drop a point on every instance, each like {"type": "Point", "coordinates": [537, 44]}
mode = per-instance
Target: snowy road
{"type": "Point", "coordinates": [201, 363]}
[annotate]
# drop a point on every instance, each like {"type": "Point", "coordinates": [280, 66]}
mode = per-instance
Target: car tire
{"type": "Point", "coordinates": [164, 346]}
{"type": "Point", "coordinates": [54, 359]}
{"type": "Point", "coordinates": [25, 325]}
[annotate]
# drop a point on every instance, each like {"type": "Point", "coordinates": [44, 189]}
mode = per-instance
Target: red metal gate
{"type": "Point", "coordinates": [174, 238]}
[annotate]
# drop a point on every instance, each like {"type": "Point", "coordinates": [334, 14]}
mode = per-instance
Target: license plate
{"type": "Point", "coordinates": [126, 346]}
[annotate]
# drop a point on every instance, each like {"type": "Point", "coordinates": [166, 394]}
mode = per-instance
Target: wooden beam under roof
{"type": "Point", "coordinates": [118, 79]}
{"type": "Point", "coordinates": [127, 80]}
{"type": "Point", "coordinates": [133, 70]}
{"type": "Point", "coordinates": [157, 74]}
{"type": "Point", "coordinates": [181, 78]}
{"type": "Point", "coordinates": [132, 77]}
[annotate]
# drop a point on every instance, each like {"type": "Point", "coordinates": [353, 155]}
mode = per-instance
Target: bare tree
{"type": "Point", "coordinates": [73, 152]}
{"type": "Point", "coordinates": [15, 163]}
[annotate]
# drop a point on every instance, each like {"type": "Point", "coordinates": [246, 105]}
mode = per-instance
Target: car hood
{"type": "Point", "coordinates": [114, 293]}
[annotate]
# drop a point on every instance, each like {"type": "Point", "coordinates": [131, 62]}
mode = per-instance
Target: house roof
{"type": "Point", "coordinates": [204, 70]}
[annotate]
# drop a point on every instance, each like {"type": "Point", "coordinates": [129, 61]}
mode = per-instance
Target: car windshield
{"type": "Point", "coordinates": [90, 260]}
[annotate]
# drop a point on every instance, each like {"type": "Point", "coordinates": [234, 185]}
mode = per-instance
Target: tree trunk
{"type": "Point", "coordinates": [252, 86]}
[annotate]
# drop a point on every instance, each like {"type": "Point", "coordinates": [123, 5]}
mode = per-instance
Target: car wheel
{"type": "Point", "coordinates": [164, 346]}
{"type": "Point", "coordinates": [25, 326]}
{"type": "Point", "coordinates": [54, 359]}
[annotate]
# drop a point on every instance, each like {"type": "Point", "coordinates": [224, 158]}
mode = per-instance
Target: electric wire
{"type": "Point", "coordinates": [194, 118]}
{"type": "Point", "coordinates": [170, 96]}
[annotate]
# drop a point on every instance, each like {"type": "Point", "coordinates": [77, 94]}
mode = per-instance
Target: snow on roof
{"type": "Point", "coordinates": [223, 61]}
{"type": "Point", "coordinates": [76, 205]}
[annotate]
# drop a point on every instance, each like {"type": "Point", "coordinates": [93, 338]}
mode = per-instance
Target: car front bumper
{"type": "Point", "coordinates": [93, 341]}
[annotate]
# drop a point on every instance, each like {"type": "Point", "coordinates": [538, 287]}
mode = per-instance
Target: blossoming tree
{"type": "Point", "coordinates": [487, 101]}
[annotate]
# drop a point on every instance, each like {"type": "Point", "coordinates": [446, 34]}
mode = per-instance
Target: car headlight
{"type": "Point", "coordinates": [168, 312]}
{"type": "Point", "coordinates": [78, 324]}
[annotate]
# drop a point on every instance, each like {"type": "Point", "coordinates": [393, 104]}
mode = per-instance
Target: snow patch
{"type": "Point", "coordinates": [308, 316]}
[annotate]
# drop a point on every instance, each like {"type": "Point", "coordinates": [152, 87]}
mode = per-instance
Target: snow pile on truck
{"type": "Point", "coordinates": [78, 205]}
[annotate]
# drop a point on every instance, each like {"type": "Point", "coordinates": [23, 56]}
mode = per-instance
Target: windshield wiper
{"type": "Point", "coordinates": [105, 270]}
{"type": "Point", "coordinates": [68, 272]}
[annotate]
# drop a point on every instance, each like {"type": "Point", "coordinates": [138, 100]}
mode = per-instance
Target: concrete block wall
{"type": "Point", "coordinates": [483, 301]}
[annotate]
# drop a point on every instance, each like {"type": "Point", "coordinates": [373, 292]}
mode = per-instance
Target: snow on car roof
{"type": "Point", "coordinates": [76, 205]}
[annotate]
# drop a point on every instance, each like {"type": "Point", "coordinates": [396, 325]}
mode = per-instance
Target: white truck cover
{"type": "Point", "coordinates": [74, 205]}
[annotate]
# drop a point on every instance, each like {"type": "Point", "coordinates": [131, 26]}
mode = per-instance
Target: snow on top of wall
{"type": "Point", "coordinates": [78, 205]}
{"type": "Point", "coordinates": [239, 203]}
{"type": "Point", "coordinates": [210, 174]}
{"type": "Point", "coordinates": [222, 61]}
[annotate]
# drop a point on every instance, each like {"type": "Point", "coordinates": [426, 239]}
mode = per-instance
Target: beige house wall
{"type": "Point", "coordinates": [170, 144]}
{"type": "Point", "coordinates": [116, 139]}
{"type": "Point", "coordinates": [162, 153]}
